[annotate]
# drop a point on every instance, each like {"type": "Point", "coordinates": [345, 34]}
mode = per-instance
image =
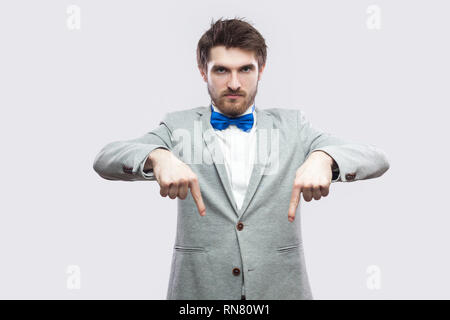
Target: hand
{"type": "Point", "coordinates": [174, 177]}
{"type": "Point", "coordinates": [313, 179]}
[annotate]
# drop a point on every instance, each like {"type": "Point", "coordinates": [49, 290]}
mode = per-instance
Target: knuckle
{"type": "Point", "coordinates": [165, 183]}
{"type": "Point", "coordinates": [298, 184]}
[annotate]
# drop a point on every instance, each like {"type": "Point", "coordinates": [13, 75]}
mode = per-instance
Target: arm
{"type": "Point", "coordinates": [126, 160]}
{"type": "Point", "coordinates": [353, 160]}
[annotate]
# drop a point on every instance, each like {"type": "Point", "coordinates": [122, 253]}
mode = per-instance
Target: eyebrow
{"type": "Point", "coordinates": [250, 66]}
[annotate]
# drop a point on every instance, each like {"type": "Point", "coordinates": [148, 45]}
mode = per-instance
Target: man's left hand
{"type": "Point", "coordinates": [313, 179]}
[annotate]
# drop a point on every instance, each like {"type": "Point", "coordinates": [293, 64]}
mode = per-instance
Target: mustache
{"type": "Point", "coordinates": [233, 94]}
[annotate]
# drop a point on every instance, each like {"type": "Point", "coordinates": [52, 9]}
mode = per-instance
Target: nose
{"type": "Point", "coordinates": [234, 84]}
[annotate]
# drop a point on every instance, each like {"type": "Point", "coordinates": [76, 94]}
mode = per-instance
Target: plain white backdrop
{"type": "Point", "coordinates": [65, 92]}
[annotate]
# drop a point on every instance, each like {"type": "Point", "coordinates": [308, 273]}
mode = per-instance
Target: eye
{"type": "Point", "coordinates": [248, 68]}
{"type": "Point", "coordinates": [218, 70]}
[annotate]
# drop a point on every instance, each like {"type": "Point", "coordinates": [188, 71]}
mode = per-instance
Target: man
{"type": "Point", "coordinates": [238, 176]}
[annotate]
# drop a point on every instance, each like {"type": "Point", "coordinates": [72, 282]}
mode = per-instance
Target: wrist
{"type": "Point", "coordinates": [324, 157]}
{"type": "Point", "coordinates": [152, 157]}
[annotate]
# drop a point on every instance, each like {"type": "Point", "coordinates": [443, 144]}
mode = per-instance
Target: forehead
{"type": "Point", "coordinates": [231, 57]}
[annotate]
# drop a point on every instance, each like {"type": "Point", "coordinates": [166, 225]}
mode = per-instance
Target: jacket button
{"type": "Point", "coordinates": [240, 226]}
{"type": "Point", "coordinates": [236, 271]}
{"type": "Point", "coordinates": [350, 176]}
{"type": "Point", "coordinates": [128, 170]}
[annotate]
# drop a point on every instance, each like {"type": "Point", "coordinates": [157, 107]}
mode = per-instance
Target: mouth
{"type": "Point", "coordinates": [233, 96]}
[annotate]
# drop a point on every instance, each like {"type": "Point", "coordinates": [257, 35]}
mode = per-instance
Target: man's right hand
{"type": "Point", "coordinates": [174, 177]}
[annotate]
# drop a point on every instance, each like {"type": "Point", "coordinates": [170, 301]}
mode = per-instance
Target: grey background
{"type": "Point", "coordinates": [65, 93]}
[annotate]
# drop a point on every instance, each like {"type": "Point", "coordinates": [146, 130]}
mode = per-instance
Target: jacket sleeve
{"type": "Point", "coordinates": [355, 161]}
{"type": "Point", "coordinates": [125, 160]}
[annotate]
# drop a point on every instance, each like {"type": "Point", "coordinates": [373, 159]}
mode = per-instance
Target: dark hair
{"type": "Point", "coordinates": [231, 33]}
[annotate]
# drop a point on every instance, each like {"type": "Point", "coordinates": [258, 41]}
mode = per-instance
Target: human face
{"type": "Point", "coordinates": [232, 77]}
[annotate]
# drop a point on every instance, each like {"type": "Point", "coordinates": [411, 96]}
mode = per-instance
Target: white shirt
{"type": "Point", "coordinates": [238, 148]}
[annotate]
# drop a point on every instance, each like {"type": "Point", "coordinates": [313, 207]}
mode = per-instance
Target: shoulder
{"type": "Point", "coordinates": [281, 112]}
{"type": "Point", "coordinates": [178, 117]}
{"type": "Point", "coordinates": [283, 116]}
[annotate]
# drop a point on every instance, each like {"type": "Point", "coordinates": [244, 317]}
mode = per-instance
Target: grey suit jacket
{"type": "Point", "coordinates": [256, 246]}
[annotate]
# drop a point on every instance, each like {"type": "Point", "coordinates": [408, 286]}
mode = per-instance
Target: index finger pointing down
{"type": "Point", "coordinates": [195, 191]}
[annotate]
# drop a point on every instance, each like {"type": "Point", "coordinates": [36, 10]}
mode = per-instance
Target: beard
{"type": "Point", "coordinates": [233, 107]}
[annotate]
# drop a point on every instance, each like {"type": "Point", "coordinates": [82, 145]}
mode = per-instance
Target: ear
{"type": "Point", "coordinates": [260, 71]}
{"type": "Point", "coordinates": [203, 73]}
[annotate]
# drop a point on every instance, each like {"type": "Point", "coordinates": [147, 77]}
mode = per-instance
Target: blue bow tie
{"type": "Point", "coordinates": [220, 121]}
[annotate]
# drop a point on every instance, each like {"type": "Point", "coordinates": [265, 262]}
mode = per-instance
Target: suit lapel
{"type": "Point", "coordinates": [211, 142]}
{"type": "Point", "coordinates": [263, 134]}
{"type": "Point", "coordinates": [264, 125]}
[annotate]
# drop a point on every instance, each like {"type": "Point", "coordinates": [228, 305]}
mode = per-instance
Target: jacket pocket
{"type": "Point", "coordinates": [288, 248]}
{"type": "Point", "coordinates": [188, 249]}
